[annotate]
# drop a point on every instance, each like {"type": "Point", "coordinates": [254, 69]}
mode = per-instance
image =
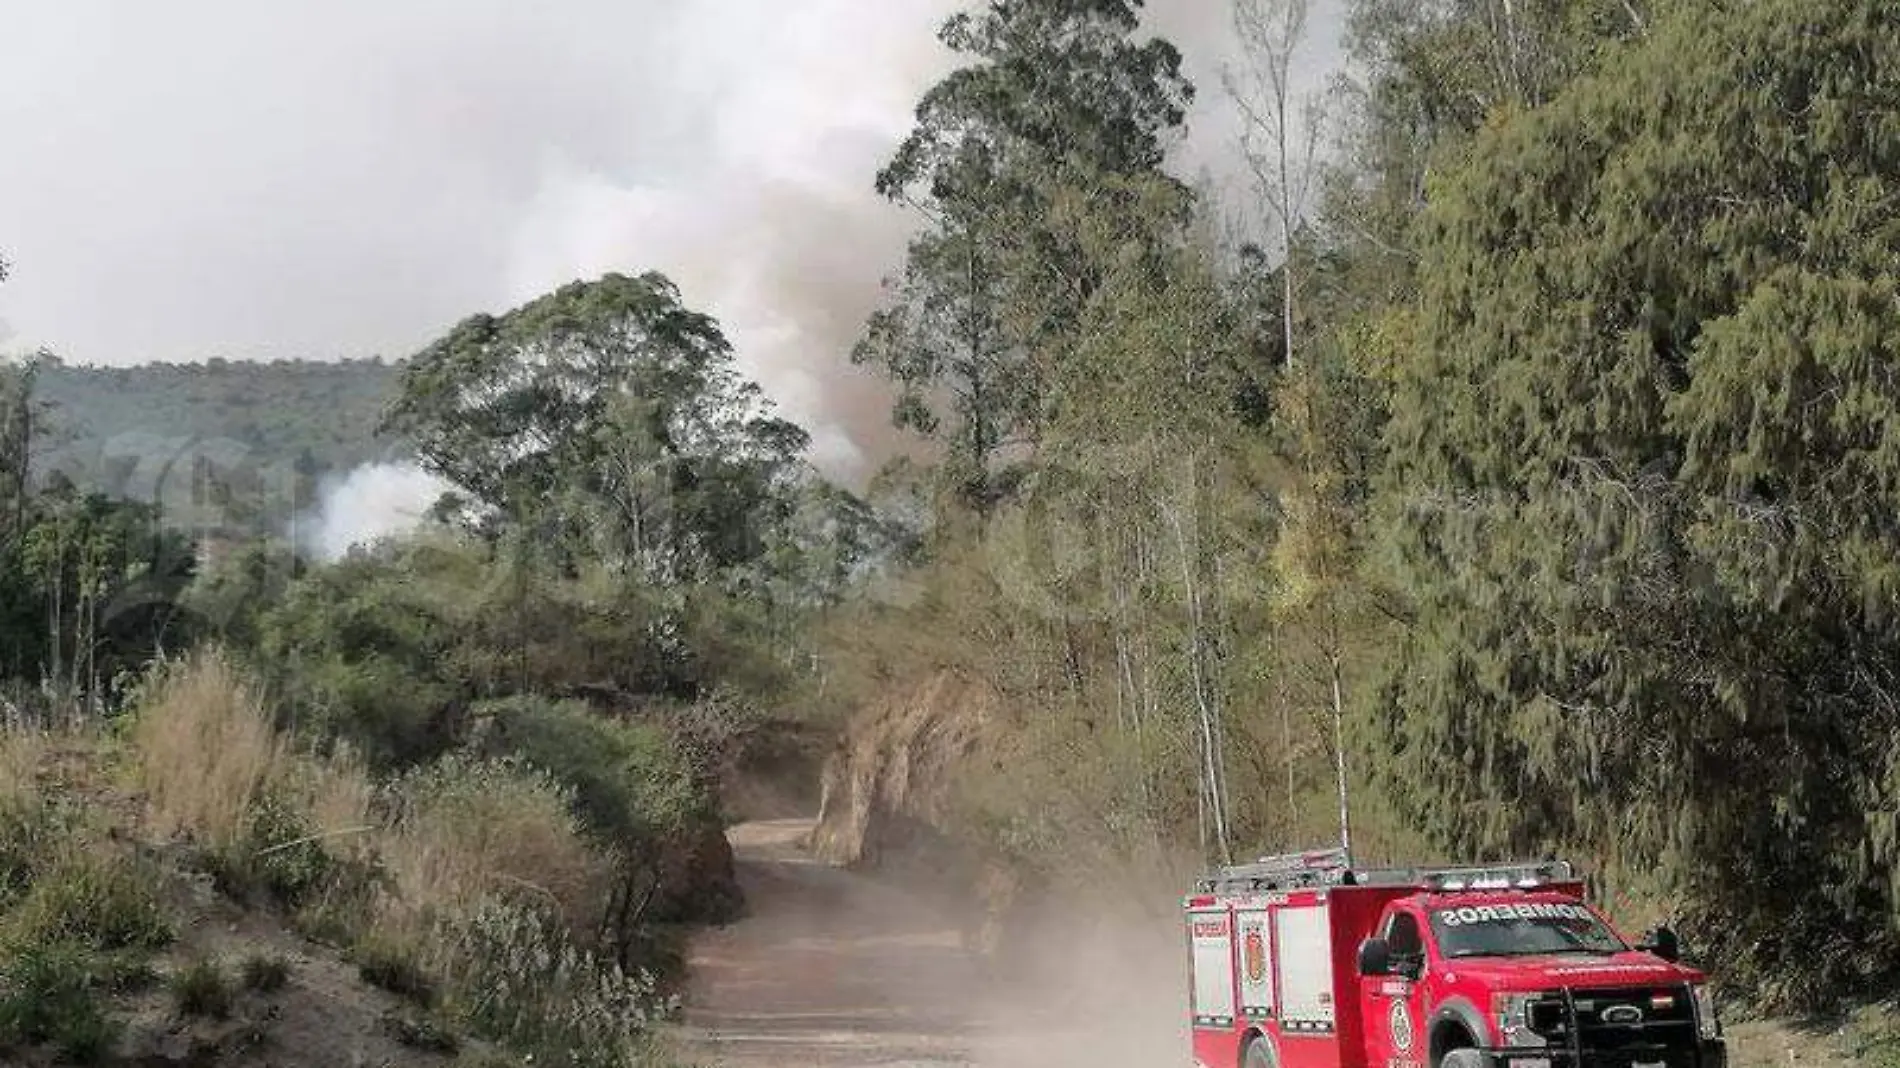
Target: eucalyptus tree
{"type": "Point", "coordinates": [1051, 88]}
{"type": "Point", "coordinates": [609, 414]}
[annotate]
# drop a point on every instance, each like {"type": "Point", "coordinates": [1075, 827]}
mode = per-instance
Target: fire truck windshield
{"type": "Point", "coordinates": [1518, 930]}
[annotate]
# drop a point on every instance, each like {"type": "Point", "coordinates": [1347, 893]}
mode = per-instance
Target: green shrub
{"type": "Point", "coordinates": [518, 980]}
{"type": "Point", "coordinates": [278, 857]}
{"type": "Point", "coordinates": [48, 995]}
{"type": "Point", "coordinates": [638, 797]}
{"type": "Point", "coordinates": [265, 973]}
{"type": "Point", "coordinates": [631, 784]}
{"type": "Point", "coordinates": [201, 989]}
{"type": "Point", "coordinates": [29, 832]}
{"type": "Point", "coordinates": [108, 903]}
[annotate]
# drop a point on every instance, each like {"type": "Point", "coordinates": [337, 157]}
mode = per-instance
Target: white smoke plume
{"type": "Point", "coordinates": [222, 178]}
{"type": "Point", "coordinates": [365, 506]}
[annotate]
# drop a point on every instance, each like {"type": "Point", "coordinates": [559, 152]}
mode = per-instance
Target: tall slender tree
{"type": "Point", "coordinates": [1280, 138]}
{"type": "Point", "coordinates": [1052, 87]}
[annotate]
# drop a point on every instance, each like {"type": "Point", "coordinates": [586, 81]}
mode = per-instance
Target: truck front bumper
{"type": "Point", "coordinates": [1706, 1054]}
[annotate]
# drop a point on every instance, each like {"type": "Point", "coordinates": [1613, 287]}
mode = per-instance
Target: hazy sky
{"type": "Point", "coordinates": [254, 180]}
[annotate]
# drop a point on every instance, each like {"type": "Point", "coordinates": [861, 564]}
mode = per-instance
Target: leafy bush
{"type": "Point", "coordinates": [638, 797]}
{"type": "Point", "coordinates": [631, 784]}
{"type": "Point", "coordinates": [281, 856]}
{"type": "Point", "coordinates": [381, 704]}
{"type": "Point", "coordinates": [361, 650]}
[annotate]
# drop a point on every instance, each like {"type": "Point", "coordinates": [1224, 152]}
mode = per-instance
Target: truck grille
{"type": "Point", "coordinates": [1620, 1028]}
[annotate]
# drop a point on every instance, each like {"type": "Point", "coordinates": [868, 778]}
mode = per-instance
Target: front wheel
{"type": "Point", "coordinates": [1259, 1055]}
{"type": "Point", "coordinates": [1462, 1058]}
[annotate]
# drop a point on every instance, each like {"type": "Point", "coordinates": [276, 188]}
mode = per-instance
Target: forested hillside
{"type": "Point", "coordinates": [221, 446]}
{"type": "Point", "coordinates": [311, 416]}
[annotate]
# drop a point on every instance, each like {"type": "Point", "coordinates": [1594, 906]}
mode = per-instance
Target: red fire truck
{"type": "Point", "coordinates": [1303, 961]}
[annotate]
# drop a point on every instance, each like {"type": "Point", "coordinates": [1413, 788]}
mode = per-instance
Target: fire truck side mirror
{"type": "Point", "coordinates": [1662, 942]}
{"type": "Point", "coordinates": [1375, 957]}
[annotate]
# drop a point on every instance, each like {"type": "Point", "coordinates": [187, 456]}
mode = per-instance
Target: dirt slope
{"type": "Point", "coordinates": [325, 1015]}
{"type": "Point", "coordinates": [322, 1014]}
{"type": "Point", "coordinates": [890, 779]}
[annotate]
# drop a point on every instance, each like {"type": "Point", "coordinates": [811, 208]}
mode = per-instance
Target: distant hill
{"type": "Point", "coordinates": [246, 438]}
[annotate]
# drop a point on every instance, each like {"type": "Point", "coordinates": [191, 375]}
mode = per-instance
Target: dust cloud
{"type": "Point", "coordinates": [882, 968]}
{"type": "Point", "coordinates": [1088, 987]}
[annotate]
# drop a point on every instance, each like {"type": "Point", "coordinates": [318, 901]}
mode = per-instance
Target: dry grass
{"type": "Point", "coordinates": [337, 794]}
{"type": "Point", "coordinates": [206, 750]}
{"type": "Point", "coordinates": [209, 755]}
{"type": "Point", "coordinates": [20, 755]}
{"type": "Point", "coordinates": [470, 829]}
{"type": "Point", "coordinates": [468, 853]}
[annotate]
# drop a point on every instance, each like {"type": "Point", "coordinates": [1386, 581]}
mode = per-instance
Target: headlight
{"type": "Point", "coordinates": [1514, 1023]}
{"type": "Point", "coordinates": [1707, 1024]}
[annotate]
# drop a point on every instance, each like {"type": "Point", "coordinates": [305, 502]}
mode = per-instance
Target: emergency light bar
{"type": "Point", "coordinates": [1333, 867]}
{"type": "Point", "coordinates": [1503, 877]}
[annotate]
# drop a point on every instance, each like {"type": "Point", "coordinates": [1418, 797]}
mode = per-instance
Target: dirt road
{"type": "Point", "coordinates": [836, 968]}
{"type": "Point", "coordinates": [829, 968]}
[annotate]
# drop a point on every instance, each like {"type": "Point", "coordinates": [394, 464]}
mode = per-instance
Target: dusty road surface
{"type": "Point", "coordinates": [832, 967]}
{"type": "Point", "coordinates": [828, 968]}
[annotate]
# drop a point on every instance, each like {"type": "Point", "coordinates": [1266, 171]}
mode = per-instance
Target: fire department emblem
{"type": "Point", "coordinates": [1401, 1023]}
{"type": "Point", "coordinates": [1254, 951]}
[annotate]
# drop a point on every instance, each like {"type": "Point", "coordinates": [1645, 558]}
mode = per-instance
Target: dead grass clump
{"type": "Point", "coordinates": [20, 756]}
{"type": "Point", "coordinates": [206, 749]}
{"type": "Point", "coordinates": [337, 796]}
{"type": "Point", "coordinates": [465, 829]}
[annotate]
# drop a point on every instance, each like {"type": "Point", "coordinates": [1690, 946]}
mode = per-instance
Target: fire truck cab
{"type": "Point", "coordinates": [1303, 961]}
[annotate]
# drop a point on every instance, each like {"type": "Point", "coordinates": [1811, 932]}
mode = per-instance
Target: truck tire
{"type": "Point", "coordinates": [1259, 1055]}
{"type": "Point", "coordinates": [1462, 1058]}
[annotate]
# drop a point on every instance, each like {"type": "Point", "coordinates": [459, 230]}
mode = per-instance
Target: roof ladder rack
{"type": "Point", "coordinates": [1286, 871]}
